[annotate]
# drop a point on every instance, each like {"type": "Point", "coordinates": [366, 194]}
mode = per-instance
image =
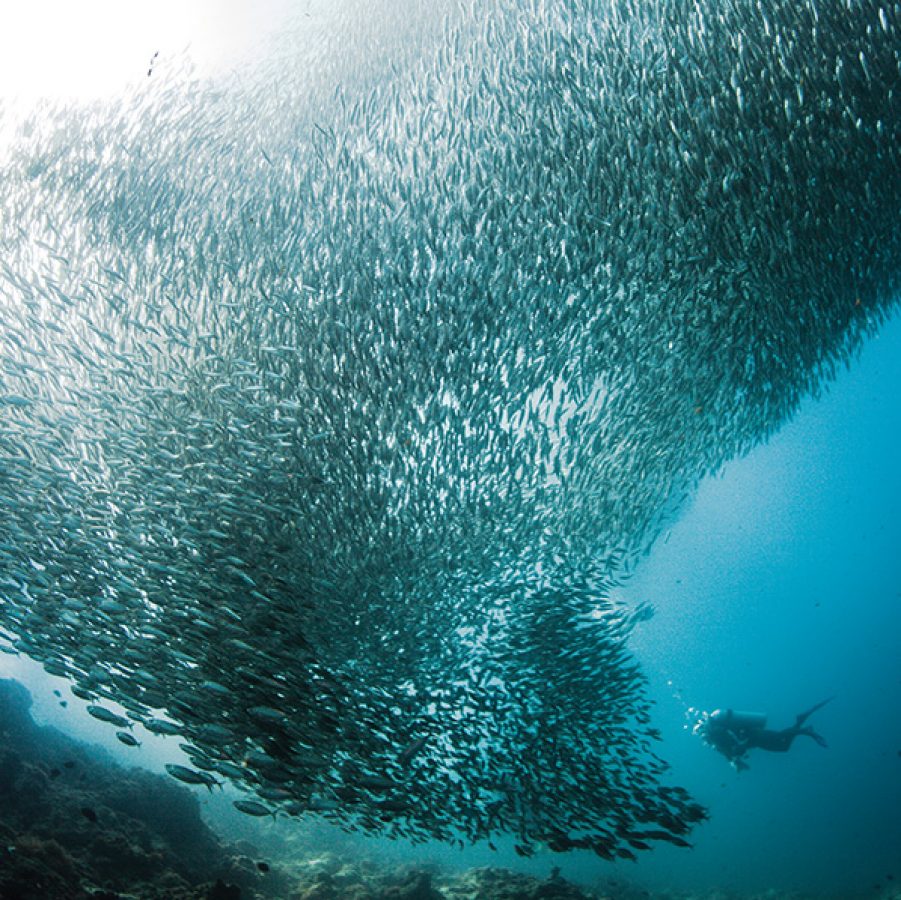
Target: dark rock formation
{"type": "Point", "coordinates": [73, 824]}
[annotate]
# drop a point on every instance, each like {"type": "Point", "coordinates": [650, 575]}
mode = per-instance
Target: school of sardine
{"type": "Point", "coordinates": [331, 411]}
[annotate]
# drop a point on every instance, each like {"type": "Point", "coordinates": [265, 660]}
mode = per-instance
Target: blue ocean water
{"type": "Point", "coordinates": [778, 586]}
{"type": "Point", "coordinates": [781, 586]}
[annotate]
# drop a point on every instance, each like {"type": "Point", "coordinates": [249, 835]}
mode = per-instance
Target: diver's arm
{"type": "Point", "coordinates": [741, 741]}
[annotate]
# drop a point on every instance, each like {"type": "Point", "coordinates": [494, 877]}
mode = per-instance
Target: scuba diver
{"type": "Point", "coordinates": [735, 733]}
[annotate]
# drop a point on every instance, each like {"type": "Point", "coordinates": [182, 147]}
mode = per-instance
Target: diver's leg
{"type": "Point", "coordinates": [775, 741]}
{"type": "Point", "coordinates": [809, 732]}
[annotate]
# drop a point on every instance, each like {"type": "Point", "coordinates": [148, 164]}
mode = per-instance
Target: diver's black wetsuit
{"type": "Point", "coordinates": [734, 734]}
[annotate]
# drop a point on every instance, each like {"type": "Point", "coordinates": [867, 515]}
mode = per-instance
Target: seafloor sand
{"type": "Point", "coordinates": [74, 825]}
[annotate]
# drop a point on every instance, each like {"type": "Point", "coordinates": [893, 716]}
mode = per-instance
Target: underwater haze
{"type": "Point", "coordinates": [781, 586]}
{"type": "Point", "coordinates": [417, 421]}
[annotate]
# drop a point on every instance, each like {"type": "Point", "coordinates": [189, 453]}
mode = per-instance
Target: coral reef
{"type": "Point", "coordinates": [328, 878]}
{"type": "Point", "coordinates": [74, 825]}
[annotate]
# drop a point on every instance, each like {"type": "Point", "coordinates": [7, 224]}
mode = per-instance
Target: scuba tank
{"type": "Point", "coordinates": [734, 720]}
